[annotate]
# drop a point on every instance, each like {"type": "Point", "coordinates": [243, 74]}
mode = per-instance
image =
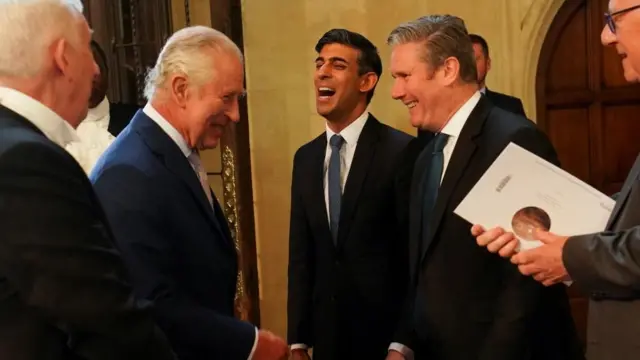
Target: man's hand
{"type": "Point", "coordinates": [496, 240]}
{"type": "Point", "coordinates": [544, 263]}
{"type": "Point", "coordinates": [394, 355]}
{"type": "Point", "coordinates": [299, 354]}
{"type": "Point", "coordinates": [270, 347]}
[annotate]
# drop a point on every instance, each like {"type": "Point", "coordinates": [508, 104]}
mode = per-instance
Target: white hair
{"type": "Point", "coordinates": [29, 28]}
{"type": "Point", "coordinates": [188, 52]}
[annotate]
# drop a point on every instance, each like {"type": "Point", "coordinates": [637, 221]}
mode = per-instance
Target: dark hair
{"type": "Point", "coordinates": [477, 39]}
{"type": "Point", "coordinates": [368, 57]}
{"type": "Point", "coordinates": [100, 57]}
{"type": "Point", "coordinates": [443, 36]}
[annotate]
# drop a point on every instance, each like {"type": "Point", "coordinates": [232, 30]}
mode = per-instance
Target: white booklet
{"type": "Point", "coordinates": [521, 191]}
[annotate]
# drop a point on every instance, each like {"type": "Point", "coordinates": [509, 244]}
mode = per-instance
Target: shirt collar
{"type": "Point", "coordinates": [351, 133]}
{"type": "Point", "coordinates": [46, 120]}
{"type": "Point", "coordinates": [454, 126]}
{"type": "Point", "coordinates": [171, 131]}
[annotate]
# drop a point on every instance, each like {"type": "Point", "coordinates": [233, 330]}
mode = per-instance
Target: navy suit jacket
{"type": "Point", "coordinates": [177, 248]}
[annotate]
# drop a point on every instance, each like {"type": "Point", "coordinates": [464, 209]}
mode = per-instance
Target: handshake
{"type": "Point", "coordinates": [272, 347]}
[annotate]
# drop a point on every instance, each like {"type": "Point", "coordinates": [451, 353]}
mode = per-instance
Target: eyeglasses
{"type": "Point", "coordinates": [608, 17]}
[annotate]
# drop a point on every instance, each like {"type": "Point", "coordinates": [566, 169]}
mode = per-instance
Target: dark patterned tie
{"type": "Point", "coordinates": [335, 188]}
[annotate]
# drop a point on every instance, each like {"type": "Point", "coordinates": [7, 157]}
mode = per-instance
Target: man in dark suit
{"type": "Point", "coordinates": [118, 115]}
{"type": "Point", "coordinates": [483, 65]}
{"type": "Point", "coordinates": [347, 249]}
{"type": "Point", "coordinates": [64, 291]}
{"type": "Point", "coordinates": [605, 265]}
{"type": "Point", "coordinates": [168, 224]}
{"type": "Point", "coordinates": [464, 303]}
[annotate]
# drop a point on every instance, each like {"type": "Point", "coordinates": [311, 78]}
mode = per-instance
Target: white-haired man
{"type": "Point", "coordinates": [605, 265]}
{"type": "Point", "coordinates": [64, 291]}
{"type": "Point", "coordinates": [168, 224]}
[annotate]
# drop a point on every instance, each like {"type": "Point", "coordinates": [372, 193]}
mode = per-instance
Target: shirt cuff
{"type": "Point", "coordinates": [255, 345]}
{"type": "Point", "coordinates": [299, 347]}
{"type": "Point", "coordinates": [405, 351]}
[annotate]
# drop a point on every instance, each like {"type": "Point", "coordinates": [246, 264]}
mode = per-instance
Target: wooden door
{"type": "Point", "coordinates": [591, 114]}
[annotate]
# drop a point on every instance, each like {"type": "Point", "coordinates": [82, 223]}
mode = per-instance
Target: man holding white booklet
{"type": "Point", "coordinates": [605, 264]}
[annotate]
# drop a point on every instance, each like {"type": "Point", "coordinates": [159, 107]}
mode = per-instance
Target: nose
{"type": "Point", "coordinates": [234, 112]}
{"type": "Point", "coordinates": [397, 90]}
{"type": "Point", "coordinates": [323, 72]}
{"type": "Point", "coordinates": [607, 37]}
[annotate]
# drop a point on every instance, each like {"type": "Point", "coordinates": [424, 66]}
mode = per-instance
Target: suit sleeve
{"type": "Point", "coordinates": [606, 263]}
{"type": "Point", "coordinates": [301, 266]}
{"type": "Point", "coordinates": [131, 204]}
{"type": "Point", "coordinates": [404, 336]}
{"type": "Point", "coordinates": [521, 296]}
{"type": "Point", "coordinates": [519, 107]}
{"type": "Point", "coordinates": [58, 254]}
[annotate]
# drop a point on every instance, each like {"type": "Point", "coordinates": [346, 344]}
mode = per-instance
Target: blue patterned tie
{"type": "Point", "coordinates": [335, 188]}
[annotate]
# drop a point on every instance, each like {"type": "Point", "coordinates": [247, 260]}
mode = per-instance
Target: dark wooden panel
{"type": "Point", "coordinates": [568, 67]}
{"type": "Point", "coordinates": [569, 132]}
{"type": "Point", "coordinates": [620, 142]}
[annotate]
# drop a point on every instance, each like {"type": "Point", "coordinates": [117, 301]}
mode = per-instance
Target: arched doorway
{"type": "Point", "coordinates": [586, 107]}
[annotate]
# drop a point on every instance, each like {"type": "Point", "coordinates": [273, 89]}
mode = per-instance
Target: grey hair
{"type": "Point", "coordinates": [31, 26]}
{"type": "Point", "coordinates": [185, 53]}
{"type": "Point", "coordinates": [443, 36]}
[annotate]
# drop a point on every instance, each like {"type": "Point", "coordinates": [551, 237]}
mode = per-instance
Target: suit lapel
{"type": "Point", "coordinates": [624, 193]}
{"type": "Point", "coordinates": [463, 151]}
{"type": "Point", "coordinates": [415, 208]}
{"type": "Point", "coordinates": [175, 162]}
{"type": "Point", "coordinates": [360, 165]}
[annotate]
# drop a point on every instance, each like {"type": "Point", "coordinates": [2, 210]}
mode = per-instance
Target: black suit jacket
{"type": "Point", "coordinates": [503, 101]}
{"type": "Point", "coordinates": [506, 102]}
{"type": "Point", "coordinates": [177, 248]}
{"type": "Point", "coordinates": [476, 304]}
{"type": "Point", "coordinates": [345, 300]}
{"type": "Point", "coordinates": [120, 116]}
{"type": "Point", "coordinates": [64, 290]}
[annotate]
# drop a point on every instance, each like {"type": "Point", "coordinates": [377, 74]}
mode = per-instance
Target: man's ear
{"type": "Point", "coordinates": [368, 81]}
{"type": "Point", "coordinates": [451, 67]}
{"type": "Point", "coordinates": [488, 64]}
{"type": "Point", "coordinates": [180, 90]}
{"type": "Point", "coordinates": [59, 50]}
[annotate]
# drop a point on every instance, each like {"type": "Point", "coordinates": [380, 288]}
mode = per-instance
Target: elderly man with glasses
{"type": "Point", "coordinates": [606, 265]}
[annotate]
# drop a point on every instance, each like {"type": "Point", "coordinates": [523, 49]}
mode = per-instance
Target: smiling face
{"type": "Point", "coordinates": [339, 87]}
{"type": "Point", "coordinates": [626, 39]}
{"type": "Point", "coordinates": [208, 109]}
{"type": "Point", "coordinates": [417, 85]}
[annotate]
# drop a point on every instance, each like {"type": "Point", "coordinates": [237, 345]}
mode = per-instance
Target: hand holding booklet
{"type": "Point", "coordinates": [520, 192]}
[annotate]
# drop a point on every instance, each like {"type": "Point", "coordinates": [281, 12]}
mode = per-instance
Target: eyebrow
{"type": "Point", "coordinates": [332, 59]}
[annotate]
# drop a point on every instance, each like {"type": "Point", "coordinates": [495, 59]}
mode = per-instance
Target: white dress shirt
{"type": "Point", "coordinates": [187, 151]}
{"type": "Point", "coordinates": [94, 136]}
{"type": "Point", "coordinates": [46, 120]}
{"type": "Point", "coordinates": [350, 134]}
{"type": "Point", "coordinates": [453, 128]}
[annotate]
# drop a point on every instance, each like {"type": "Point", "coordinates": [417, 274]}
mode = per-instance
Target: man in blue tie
{"type": "Point", "coordinates": [170, 228]}
{"type": "Point", "coordinates": [347, 248]}
{"type": "Point", "coordinates": [463, 303]}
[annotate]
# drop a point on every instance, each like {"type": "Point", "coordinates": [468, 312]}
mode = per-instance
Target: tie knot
{"type": "Point", "coordinates": [336, 141]}
{"type": "Point", "coordinates": [439, 142]}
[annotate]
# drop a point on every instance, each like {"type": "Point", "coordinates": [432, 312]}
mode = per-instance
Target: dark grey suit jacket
{"type": "Point", "coordinates": [607, 266]}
